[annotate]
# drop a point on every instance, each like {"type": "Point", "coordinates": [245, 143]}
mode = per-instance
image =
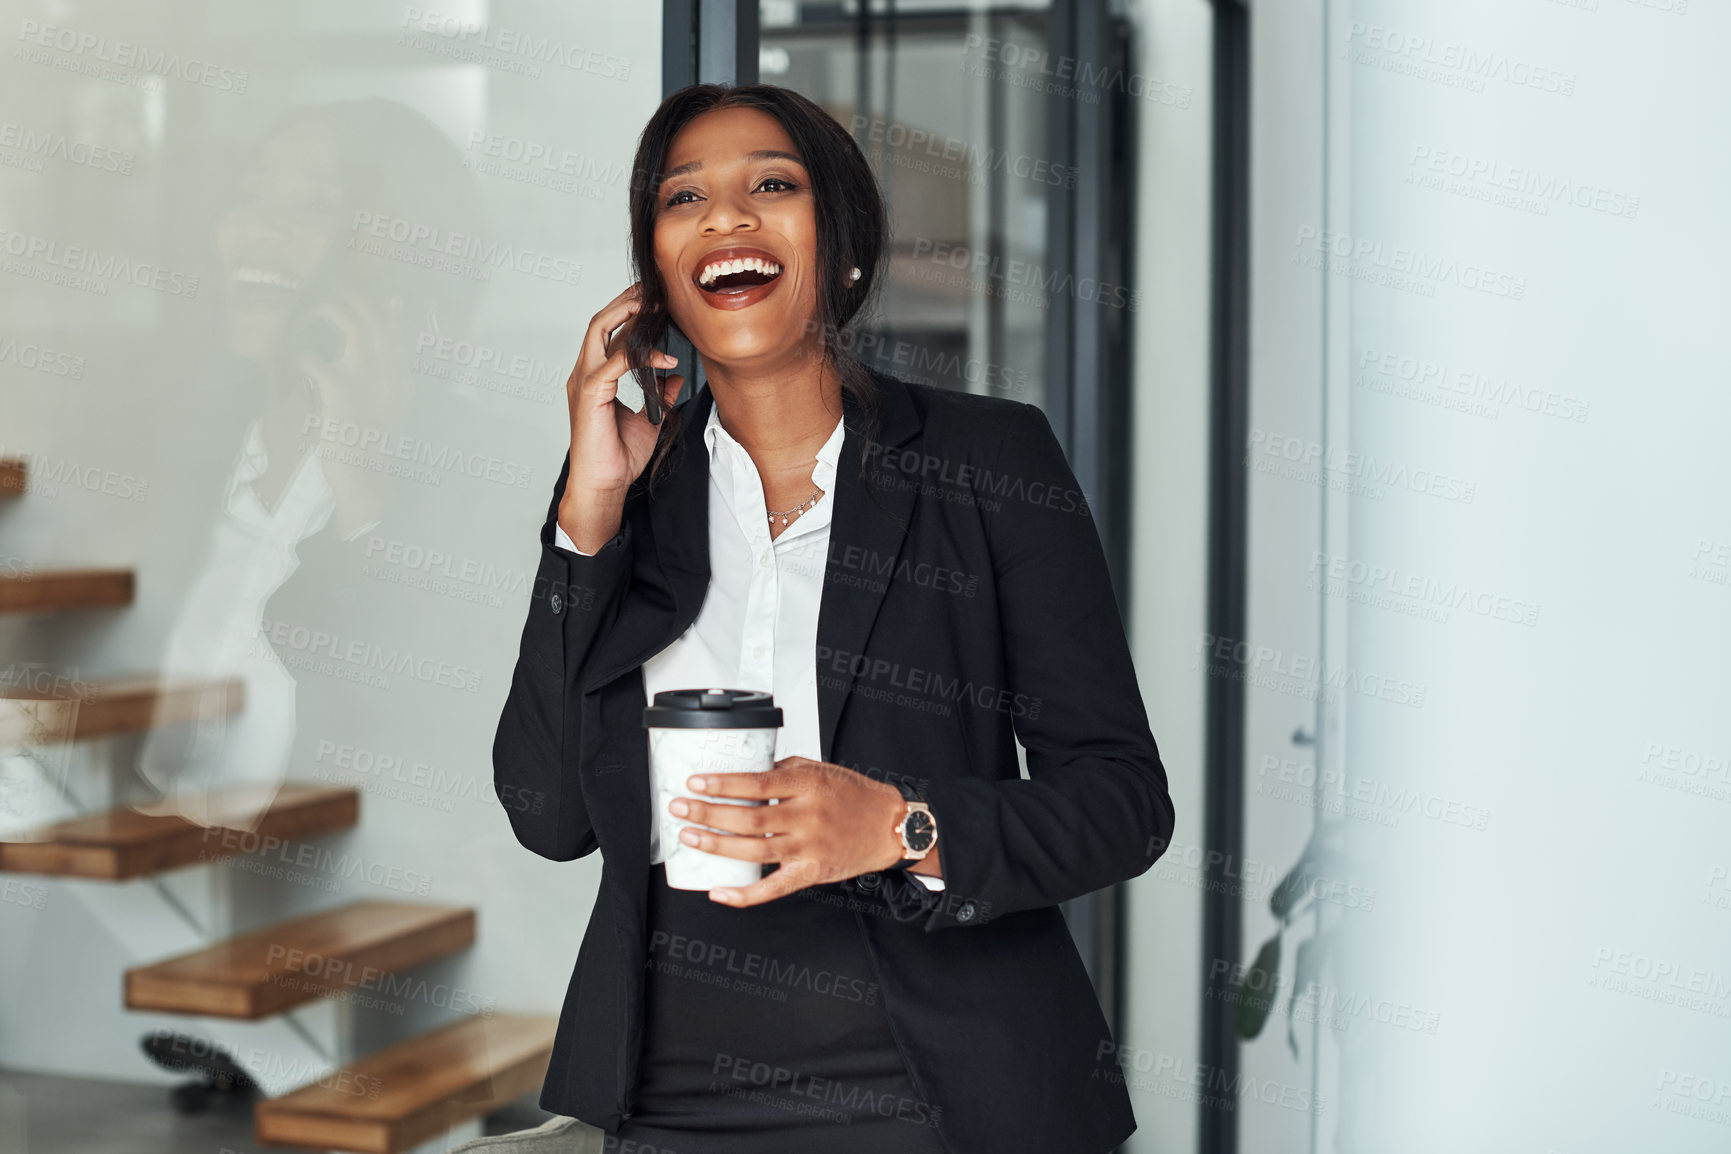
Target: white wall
{"type": "Point", "coordinates": [1538, 802]}
{"type": "Point", "coordinates": [157, 374]}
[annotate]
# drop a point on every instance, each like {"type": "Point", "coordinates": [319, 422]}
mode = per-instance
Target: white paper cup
{"type": "Point", "coordinates": [694, 731]}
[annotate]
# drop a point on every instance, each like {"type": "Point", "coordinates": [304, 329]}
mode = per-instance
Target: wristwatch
{"type": "Point", "coordinates": [916, 827]}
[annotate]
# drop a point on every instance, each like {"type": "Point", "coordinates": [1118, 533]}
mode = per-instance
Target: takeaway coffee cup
{"type": "Point", "coordinates": [706, 731]}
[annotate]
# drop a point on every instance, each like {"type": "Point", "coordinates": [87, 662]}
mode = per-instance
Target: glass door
{"type": "Point", "coordinates": [960, 146]}
{"type": "Point", "coordinates": [989, 128]}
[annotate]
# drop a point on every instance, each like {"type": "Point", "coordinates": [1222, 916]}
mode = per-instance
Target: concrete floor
{"type": "Point", "coordinates": [50, 1114]}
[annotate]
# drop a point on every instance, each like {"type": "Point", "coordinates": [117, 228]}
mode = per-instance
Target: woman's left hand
{"type": "Point", "coordinates": [829, 823]}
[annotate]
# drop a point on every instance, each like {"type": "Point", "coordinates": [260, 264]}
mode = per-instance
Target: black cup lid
{"type": "Point", "coordinates": [713, 709]}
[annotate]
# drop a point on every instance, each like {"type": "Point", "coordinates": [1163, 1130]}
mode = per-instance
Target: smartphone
{"type": "Point", "coordinates": [318, 336]}
{"type": "Point", "coordinates": [675, 343]}
{"type": "Point", "coordinates": [652, 406]}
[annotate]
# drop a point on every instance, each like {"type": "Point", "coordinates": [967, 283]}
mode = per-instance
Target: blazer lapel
{"type": "Point", "coordinates": [875, 523]}
{"type": "Point", "coordinates": [668, 590]}
{"type": "Point", "coordinates": [679, 519]}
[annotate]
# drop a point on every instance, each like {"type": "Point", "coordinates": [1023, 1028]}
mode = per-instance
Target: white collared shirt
{"type": "Point", "coordinates": [757, 628]}
{"type": "Point", "coordinates": [220, 632]}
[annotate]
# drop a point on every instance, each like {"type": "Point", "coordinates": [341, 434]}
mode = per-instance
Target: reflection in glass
{"type": "Point", "coordinates": [320, 326]}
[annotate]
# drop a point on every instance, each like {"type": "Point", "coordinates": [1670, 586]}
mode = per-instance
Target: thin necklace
{"type": "Point", "coordinates": [786, 515]}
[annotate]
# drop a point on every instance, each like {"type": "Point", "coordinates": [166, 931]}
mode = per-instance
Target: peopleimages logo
{"type": "Point", "coordinates": [425, 244]}
{"type": "Point", "coordinates": [714, 956]}
{"type": "Point", "coordinates": [928, 684]}
{"type": "Point", "coordinates": [1071, 76]}
{"type": "Point", "coordinates": [437, 563]}
{"type": "Point", "coordinates": [124, 54]}
{"type": "Point", "coordinates": [306, 648]}
{"type": "Point", "coordinates": [941, 475]}
{"type": "Point", "coordinates": [1022, 281]}
{"type": "Point", "coordinates": [511, 42]}
{"type": "Point", "coordinates": [1469, 385]}
{"type": "Point", "coordinates": [1299, 675]}
{"type": "Point", "coordinates": [973, 157]}
{"type": "Point", "coordinates": [543, 165]}
{"type": "Point", "coordinates": [345, 973]}
{"type": "Point", "coordinates": [48, 145]}
{"type": "Point", "coordinates": [1544, 187]}
{"type": "Point", "coordinates": [1341, 575]}
{"type": "Point", "coordinates": [42, 360]}
{"type": "Point", "coordinates": [428, 457]}
{"type": "Point", "coordinates": [1224, 1091]}
{"type": "Point", "coordinates": [1459, 65]}
{"type": "Point", "coordinates": [1422, 266]}
{"type": "Point", "coordinates": [48, 473]}
{"type": "Point", "coordinates": [319, 859]}
{"type": "Point", "coordinates": [1661, 979]}
{"type": "Point", "coordinates": [89, 262]}
{"type": "Point", "coordinates": [484, 358]}
{"type": "Point", "coordinates": [1268, 449]}
{"type": "Point", "coordinates": [1376, 799]}
{"type": "Point", "coordinates": [39, 681]}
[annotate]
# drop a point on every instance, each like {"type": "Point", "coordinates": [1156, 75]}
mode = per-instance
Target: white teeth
{"type": "Point", "coordinates": [722, 268]}
{"type": "Point", "coordinates": [265, 276]}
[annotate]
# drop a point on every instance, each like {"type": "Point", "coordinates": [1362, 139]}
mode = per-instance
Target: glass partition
{"type": "Point", "coordinates": [289, 294]}
{"type": "Point", "coordinates": [947, 103]}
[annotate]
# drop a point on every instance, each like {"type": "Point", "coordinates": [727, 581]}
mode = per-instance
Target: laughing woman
{"type": "Point", "coordinates": [915, 575]}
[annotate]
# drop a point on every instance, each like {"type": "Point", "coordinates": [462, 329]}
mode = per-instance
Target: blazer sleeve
{"type": "Point", "coordinates": [1095, 809]}
{"type": "Point", "coordinates": [574, 600]}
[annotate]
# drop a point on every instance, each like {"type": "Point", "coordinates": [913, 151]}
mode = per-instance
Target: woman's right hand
{"type": "Point", "coordinates": [610, 444]}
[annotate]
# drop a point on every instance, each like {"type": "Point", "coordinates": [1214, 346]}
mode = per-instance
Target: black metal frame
{"type": "Point", "coordinates": [1087, 378]}
{"type": "Point", "coordinates": [705, 42]}
{"type": "Point", "coordinates": [708, 42]}
{"type": "Point", "coordinates": [1228, 548]}
{"type": "Point", "coordinates": [1088, 347]}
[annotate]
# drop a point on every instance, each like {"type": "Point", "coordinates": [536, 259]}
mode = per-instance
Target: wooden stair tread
{"type": "Point", "coordinates": [14, 477]}
{"type": "Point", "coordinates": [424, 1087]}
{"type": "Point", "coordinates": [52, 590]}
{"type": "Point", "coordinates": [119, 705]}
{"type": "Point", "coordinates": [133, 842]}
{"type": "Point", "coordinates": [279, 967]}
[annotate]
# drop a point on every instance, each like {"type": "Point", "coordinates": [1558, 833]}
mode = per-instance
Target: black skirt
{"type": "Point", "coordinates": [765, 1032]}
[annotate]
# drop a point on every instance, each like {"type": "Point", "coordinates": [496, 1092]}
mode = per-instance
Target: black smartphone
{"type": "Point", "coordinates": [675, 343]}
{"type": "Point", "coordinates": [652, 406]}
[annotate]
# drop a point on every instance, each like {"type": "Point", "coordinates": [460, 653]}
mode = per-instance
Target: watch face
{"type": "Point", "coordinates": [917, 830]}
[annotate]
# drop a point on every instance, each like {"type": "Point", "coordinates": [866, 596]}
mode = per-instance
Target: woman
{"type": "Point", "coordinates": [314, 336]}
{"type": "Point", "coordinates": [915, 575]}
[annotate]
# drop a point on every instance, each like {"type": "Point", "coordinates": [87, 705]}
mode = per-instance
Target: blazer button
{"type": "Point", "coordinates": [557, 604]}
{"type": "Point", "coordinates": [869, 881]}
{"type": "Point", "coordinates": [966, 913]}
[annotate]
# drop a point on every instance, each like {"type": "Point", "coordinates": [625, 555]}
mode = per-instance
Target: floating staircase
{"type": "Point", "coordinates": [127, 843]}
{"type": "Point", "coordinates": [424, 1087]}
{"type": "Point", "coordinates": [14, 477]}
{"type": "Point", "coordinates": [55, 590]}
{"type": "Point", "coordinates": [283, 966]}
{"type": "Point", "coordinates": [412, 1092]}
{"type": "Point", "coordinates": [72, 710]}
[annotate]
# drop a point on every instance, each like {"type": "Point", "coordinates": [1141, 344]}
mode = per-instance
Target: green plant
{"type": "Point", "coordinates": [1256, 987]}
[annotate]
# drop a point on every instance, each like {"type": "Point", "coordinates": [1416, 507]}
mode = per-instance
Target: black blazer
{"type": "Point", "coordinates": [966, 604]}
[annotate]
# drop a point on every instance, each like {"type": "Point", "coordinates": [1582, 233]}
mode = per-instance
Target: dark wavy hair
{"type": "Point", "coordinates": [852, 231]}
